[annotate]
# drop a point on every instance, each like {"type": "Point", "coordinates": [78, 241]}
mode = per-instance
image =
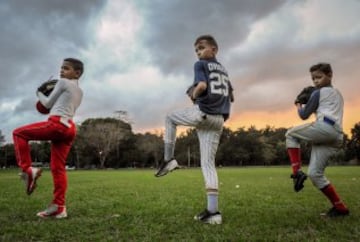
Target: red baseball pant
{"type": "Point", "coordinates": [61, 132]}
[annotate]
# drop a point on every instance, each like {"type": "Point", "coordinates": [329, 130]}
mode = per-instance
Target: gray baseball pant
{"type": "Point", "coordinates": [326, 141]}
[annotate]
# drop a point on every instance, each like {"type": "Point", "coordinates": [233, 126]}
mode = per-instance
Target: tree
{"type": "Point", "coordinates": [353, 145]}
{"type": "Point", "coordinates": [150, 149]}
{"type": "Point", "coordinates": [8, 156]}
{"type": "Point", "coordinates": [187, 149]}
{"type": "Point", "coordinates": [101, 136]}
{"type": "Point", "coordinates": [2, 138]}
{"type": "Point", "coordinates": [3, 151]}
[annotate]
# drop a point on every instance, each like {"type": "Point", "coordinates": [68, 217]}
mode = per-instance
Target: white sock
{"type": "Point", "coordinates": [168, 151]}
{"type": "Point", "coordinates": [212, 202]}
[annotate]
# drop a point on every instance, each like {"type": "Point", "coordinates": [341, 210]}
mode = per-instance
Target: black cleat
{"type": "Point", "coordinates": [299, 179]}
{"type": "Point", "coordinates": [209, 218]}
{"type": "Point", "coordinates": [334, 213]}
{"type": "Point", "coordinates": [166, 167]}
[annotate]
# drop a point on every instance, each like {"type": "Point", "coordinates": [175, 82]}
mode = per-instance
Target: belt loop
{"type": "Point", "coordinates": [65, 122]}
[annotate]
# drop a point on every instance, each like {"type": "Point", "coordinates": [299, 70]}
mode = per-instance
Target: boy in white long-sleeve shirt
{"type": "Point", "coordinates": [59, 129]}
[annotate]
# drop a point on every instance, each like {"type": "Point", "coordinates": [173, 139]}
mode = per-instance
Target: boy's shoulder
{"type": "Point", "coordinates": [329, 90]}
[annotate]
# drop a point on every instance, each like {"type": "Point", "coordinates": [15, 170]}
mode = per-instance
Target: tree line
{"type": "Point", "coordinates": [111, 143]}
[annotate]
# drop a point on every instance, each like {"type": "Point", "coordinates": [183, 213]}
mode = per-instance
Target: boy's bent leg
{"type": "Point", "coordinates": [187, 117]}
{"type": "Point", "coordinates": [191, 116]}
{"type": "Point", "coordinates": [307, 132]}
{"type": "Point", "coordinates": [169, 163]}
{"type": "Point", "coordinates": [293, 138]}
{"type": "Point", "coordinates": [169, 138]}
{"type": "Point", "coordinates": [21, 137]}
{"type": "Point", "coordinates": [318, 162]}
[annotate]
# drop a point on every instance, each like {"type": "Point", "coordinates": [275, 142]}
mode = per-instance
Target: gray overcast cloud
{"type": "Point", "coordinates": [139, 54]}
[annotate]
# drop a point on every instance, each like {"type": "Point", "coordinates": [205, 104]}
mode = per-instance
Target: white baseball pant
{"type": "Point", "coordinates": [326, 141]}
{"type": "Point", "coordinates": [209, 129]}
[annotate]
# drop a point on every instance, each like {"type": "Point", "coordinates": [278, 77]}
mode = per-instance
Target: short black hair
{"type": "Point", "coordinates": [323, 67]}
{"type": "Point", "coordinates": [76, 64]}
{"type": "Point", "coordinates": [209, 38]}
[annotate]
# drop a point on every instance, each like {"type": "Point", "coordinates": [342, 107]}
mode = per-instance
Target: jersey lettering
{"type": "Point", "coordinates": [216, 67]}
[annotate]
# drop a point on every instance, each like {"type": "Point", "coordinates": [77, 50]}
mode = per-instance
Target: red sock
{"type": "Point", "coordinates": [295, 159]}
{"type": "Point", "coordinates": [334, 198]}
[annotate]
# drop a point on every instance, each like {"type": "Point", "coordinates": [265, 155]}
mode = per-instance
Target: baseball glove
{"type": "Point", "coordinates": [47, 87]}
{"type": "Point", "coordinates": [304, 96]}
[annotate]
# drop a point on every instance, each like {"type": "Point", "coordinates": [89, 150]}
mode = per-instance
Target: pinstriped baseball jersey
{"type": "Point", "coordinates": [216, 98]}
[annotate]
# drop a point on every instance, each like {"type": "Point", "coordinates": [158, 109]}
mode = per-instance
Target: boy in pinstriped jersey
{"type": "Point", "coordinates": [325, 134]}
{"type": "Point", "coordinates": [212, 94]}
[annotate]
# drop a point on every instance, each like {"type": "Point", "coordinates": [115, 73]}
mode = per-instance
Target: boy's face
{"type": "Point", "coordinates": [67, 71]}
{"type": "Point", "coordinates": [320, 79]}
{"type": "Point", "coordinates": [204, 50]}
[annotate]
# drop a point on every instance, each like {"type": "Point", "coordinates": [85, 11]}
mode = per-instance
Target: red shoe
{"type": "Point", "coordinates": [30, 177]}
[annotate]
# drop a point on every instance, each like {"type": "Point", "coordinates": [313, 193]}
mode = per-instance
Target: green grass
{"type": "Point", "coordinates": [133, 205]}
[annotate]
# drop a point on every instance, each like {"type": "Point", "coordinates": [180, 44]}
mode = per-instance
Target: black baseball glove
{"type": "Point", "coordinates": [47, 87]}
{"type": "Point", "coordinates": [304, 96]}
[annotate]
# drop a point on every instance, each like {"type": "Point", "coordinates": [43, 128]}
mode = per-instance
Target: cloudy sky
{"type": "Point", "coordinates": [139, 55]}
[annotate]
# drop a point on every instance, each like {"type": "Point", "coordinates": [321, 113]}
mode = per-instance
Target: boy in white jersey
{"type": "Point", "coordinates": [59, 129]}
{"type": "Point", "coordinates": [325, 134]}
{"type": "Point", "coordinates": [212, 94]}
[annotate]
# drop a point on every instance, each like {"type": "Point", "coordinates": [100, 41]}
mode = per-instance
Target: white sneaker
{"type": "Point", "coordinates": [53, 211]}
{"type": "Point", "coordinates": [30, 177]}
{"type": "Point", "coordinates": [167, 167]}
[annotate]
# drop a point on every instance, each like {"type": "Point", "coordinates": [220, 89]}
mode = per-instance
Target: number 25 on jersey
{"type": "Point", "coordinates": [219, 84]}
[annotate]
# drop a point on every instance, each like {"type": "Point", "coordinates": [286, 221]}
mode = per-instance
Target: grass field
{"type": "Point", "coordinates": [133, 205]}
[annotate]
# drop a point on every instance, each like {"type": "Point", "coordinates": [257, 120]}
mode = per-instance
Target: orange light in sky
{"type": "Point", "coordinates": [288, 118]}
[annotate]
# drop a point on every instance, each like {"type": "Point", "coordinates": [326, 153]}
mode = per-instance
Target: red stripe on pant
{"type": "Point", "coordinates": [61, 138]}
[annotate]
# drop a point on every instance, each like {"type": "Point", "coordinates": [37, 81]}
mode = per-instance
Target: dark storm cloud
{"type": "Point", "coordinates": [172, 26]}
{"type": "Point", "coordinates": [35, 36]}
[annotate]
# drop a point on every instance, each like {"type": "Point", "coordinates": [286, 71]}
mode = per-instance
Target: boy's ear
{"type": "Point", "coordinates": [78, 73]}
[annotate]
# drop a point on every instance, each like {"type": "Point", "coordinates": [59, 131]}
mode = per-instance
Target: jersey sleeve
{"type": "Point", "coordinates": [311, 105]}
{"type": "Point", "coordinates": [48, 101]}
{"type": "Point", "coordinates": [199, 72]}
